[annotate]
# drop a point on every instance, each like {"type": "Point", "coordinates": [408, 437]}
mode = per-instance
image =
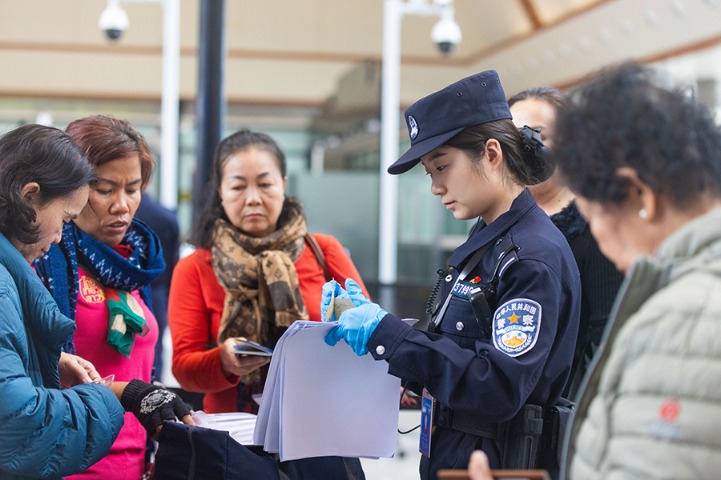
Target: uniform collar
{"type": "Point", "coordinates": [522, 204]}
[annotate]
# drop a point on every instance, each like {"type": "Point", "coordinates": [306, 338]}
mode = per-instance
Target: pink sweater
{"type": "Point", "coordinates": [126, 460]}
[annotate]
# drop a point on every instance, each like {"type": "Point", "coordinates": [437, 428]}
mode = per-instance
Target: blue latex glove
{"type": "Point", "coordinates": [332, 291]}
{"type": "Point", "coordinates": [355, 293]}
{"type": "Point", "coordinates": [356, 325]}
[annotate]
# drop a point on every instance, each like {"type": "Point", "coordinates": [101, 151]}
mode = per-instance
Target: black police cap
{"type": "Point", "coordinates": [435, 119]}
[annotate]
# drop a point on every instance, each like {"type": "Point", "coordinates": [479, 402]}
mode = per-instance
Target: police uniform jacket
{"type": "Point", "coordinates": [652, 401]}
{"type": "Point", "coordinates": [525, 358]}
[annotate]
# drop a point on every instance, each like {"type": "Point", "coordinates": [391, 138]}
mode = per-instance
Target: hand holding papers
{"type": "Point", "coordinates": [334, 301]}
{"type": "Point", "coordinates": [356, 316]}
{"type": "Point", "coordinates": [320, 400]}
{"type": "Point", "coordinates": [356, 326]}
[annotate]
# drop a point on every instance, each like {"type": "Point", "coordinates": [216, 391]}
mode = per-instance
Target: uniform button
{"type": "Point", "coordinates": [460, 326]}
{"type": "Point", "coordinates": [498, 242]}
{"type": "Point", "coordinates": [380, 350]}
{"type": "Point", "coordinates": [449, 277]}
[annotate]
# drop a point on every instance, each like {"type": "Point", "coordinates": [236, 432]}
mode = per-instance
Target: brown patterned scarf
{"type": "Point", "coordinates": [259, 278]}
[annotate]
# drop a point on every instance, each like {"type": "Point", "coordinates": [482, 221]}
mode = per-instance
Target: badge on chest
{"type": "Point", "coordinates": [461, 288]}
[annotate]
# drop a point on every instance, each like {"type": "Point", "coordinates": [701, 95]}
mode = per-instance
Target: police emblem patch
{"type": "Point", "coordinates": [412, 127]}
{"type": "Point", "coordinates": [516, 325]}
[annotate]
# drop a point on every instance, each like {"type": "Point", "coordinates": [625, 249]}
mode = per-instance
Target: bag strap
{"type": "Point", "coordinates": [313, 244]}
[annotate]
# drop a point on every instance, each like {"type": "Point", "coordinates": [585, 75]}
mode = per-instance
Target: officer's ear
{"type": "Point", "coordinates": [494, 153]}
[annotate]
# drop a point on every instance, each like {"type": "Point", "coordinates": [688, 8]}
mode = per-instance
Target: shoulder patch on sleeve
{"type": "Point", "coordinates": [516, 325]}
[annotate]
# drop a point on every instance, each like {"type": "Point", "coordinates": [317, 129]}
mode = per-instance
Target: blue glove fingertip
{"type": "Point", "coordinates": [360, 351]}
{"type": "Point", "coordinates": [352, 287]}
{"type": "Point", "coordinates": [333, 337]}
{"type": "Point", "coordinates": [328, 292]}
{"type": "Point", "coordinates": [355, 293]}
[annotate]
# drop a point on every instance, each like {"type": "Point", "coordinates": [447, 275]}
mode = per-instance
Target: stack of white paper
{"type": "Point", "coordinates": [321, 401]}
{"type": "Point", "coordinates": [239, 425]}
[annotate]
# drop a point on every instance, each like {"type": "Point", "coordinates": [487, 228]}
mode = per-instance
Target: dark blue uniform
{"type": "Point", "coordinates": [487, 376]}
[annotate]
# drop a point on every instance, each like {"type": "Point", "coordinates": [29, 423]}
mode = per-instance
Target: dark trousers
{"type": "Point", "coordinates": [451, 449]}
{"type": "Point", "coordinates": [331, 468]}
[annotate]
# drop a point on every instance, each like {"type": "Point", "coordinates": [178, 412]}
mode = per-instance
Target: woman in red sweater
{"type": "Point", "coordinates": [253, 274]}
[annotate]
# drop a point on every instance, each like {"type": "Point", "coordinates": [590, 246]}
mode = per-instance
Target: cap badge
{"type": "Point", "coordinates": [413, 127]}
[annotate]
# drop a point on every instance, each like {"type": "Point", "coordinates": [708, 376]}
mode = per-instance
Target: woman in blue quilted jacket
{"type": "Point", "coordinates": [55, 419]}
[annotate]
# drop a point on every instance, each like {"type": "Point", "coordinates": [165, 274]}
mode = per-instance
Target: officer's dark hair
{"type": "Point", "coordinates": [550, 95]}
{"type": "Point", "coordinates": [631, 116]}
{"type": "Point", "coordinates": [239, 141]}
{"type": "Point", "coordinates": [41, 154]}
{"type": "Point", "coordinates": [521, 160]}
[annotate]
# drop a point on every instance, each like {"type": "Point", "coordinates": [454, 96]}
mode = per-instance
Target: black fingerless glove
{"type": "Point", "coordinates": [152, 404]}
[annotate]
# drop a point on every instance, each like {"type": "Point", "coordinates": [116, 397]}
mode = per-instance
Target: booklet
{"type": "Point", "coordinates": [247, 347]}
{"type": "Point", "coordinates": [320, 400]}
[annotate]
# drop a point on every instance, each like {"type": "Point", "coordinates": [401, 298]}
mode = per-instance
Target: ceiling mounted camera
{"type": "Point", "coordinates": [446, 34]}
{"type": "Point", "coordinates": [113, 21]}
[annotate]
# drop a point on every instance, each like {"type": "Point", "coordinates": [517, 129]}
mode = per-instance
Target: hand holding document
{"type": "Point", "coordinates": [334, 302]}
{"type": "Point", "coordinates": [320, 400]}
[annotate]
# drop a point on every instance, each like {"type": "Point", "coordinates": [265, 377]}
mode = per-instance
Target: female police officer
{"type": "Point", "coordinates": [504, 329]}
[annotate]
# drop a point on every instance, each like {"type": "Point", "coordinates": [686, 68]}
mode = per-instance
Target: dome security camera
{"type": "Point", "coordinates": [113, 21]}
{"type": "Point", "coordinates": [446, 34]}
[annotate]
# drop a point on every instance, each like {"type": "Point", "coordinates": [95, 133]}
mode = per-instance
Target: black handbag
{"type": "Point", "coordinates": [197, 453]}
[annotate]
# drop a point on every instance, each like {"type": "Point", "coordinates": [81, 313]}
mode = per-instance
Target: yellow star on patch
{"type": "Point", "coordinates": [514, 318]}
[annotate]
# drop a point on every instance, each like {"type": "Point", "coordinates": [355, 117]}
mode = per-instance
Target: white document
{"type": "Point", "coordinates": [267, 427]}
{"type": "Point", "coordinates": [239, 425]}
{"type": "Point", "coordinates": [320, 400]}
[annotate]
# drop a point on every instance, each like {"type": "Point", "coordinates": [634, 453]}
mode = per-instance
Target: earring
{"type": "Point", "coordinates": [643, 213]}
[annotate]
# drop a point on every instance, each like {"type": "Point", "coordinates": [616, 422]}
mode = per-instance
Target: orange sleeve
{"type": "Point", "coordinates": [194, 306]}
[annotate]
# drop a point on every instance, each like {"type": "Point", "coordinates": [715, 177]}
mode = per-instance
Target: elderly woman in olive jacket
{"type": "Point", "coordinates": [645, 161]}
{"type": "Point", "coordinates": [652, 407]}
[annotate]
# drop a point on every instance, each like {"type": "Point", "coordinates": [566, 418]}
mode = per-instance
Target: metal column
{"type": "Point", "coordinates": [210, 101]}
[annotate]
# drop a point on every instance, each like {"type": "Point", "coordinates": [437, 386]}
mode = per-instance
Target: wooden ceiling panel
{"type": "Point", "coordinates": [295, 51]}
{"type": "Point", "coordinates": [553, 11]}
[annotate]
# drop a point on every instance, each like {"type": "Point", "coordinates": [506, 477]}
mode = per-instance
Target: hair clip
{"type": "Point", "coordinates": [531, 138]}
{"type": "Point", "coordinates": [539, 158]}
